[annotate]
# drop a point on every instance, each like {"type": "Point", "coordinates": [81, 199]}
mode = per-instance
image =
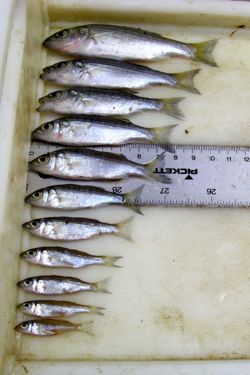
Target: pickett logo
{"type": "Point", "coordinates": [176, 171]}
{"type": "Point", "coordinates": [185, 171]}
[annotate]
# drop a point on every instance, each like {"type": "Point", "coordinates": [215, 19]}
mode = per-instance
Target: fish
{"type": "Point", "coordinates": [57, 285]}
{"type": "Point", "coordinates": [51, 327]}
{"type": "Point", "coordinates": [126, 43]}
{"type": "Point", "coordinates": [55, 309]}
{"type": "Point", "coordinates": [106, 73]}
{"type": "Point", "coordinates": [56, 256]}
{"type": "Point", "coordinates": [65, 228]}
{"type": "Point", "coordinates": [105, 102]}
{"type": "Point", "coordinates": [74, 197]}
{"type": "Point", "coordinates": [97, 130]}
{"type": "Point", "coordinates": [87, 165]}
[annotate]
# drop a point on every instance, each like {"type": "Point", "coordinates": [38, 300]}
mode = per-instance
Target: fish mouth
{"type": "Point", "coordinates": [27, 200]}
{"type": "Point", "coordinates": [42, 99]}
{"type": "Point", "coordinates": [39, 109]}
{"type": "Point", "coordinates": [46, 42]}
{"type": "Point", "coordinates": [42, 76]}
{"type": "Point", "coordinates": [34, 134]}
{"type": "Point", "coordinates": [19, 284]}
{"type": "Point", "coordinates": [26, 225]}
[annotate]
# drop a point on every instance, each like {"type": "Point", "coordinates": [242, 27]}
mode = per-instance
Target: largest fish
{"type": "Point", "coordinates": [126, 43]}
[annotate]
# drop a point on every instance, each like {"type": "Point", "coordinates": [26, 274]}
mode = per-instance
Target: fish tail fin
{"type": "Point", "coordinates": [96, 310]}
{"type": "Point", "coordinates": [170, 106]}
{"type": "Point", "coordinates": [154, 167]}
{"type": "Point", "coordinates": [204, 50]}
{"type": "Point", "coordinates": [185, 81]}
{"type": "Point", "coordinates": [132, 197]}
{"type": "Point", "coordinates": [110, 261]}
{"type": "Point", "coordinates": [162, 134]}
{"type": "Point", "coordinates": [86, 328]}
{"type": "Point", "coordinates": [101, 286]}
{"type": "Point", "coordinates": [125, 228]}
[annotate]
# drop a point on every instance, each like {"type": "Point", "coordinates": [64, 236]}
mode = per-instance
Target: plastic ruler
{"type": "Point", "coordinates": [211, 176]}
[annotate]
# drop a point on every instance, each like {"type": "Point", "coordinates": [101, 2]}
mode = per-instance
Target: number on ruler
{"type": "Point", "coordinates": [164, 191]}
{"type": "Point", "coordinates": [117, 189]}
{"type": "Point", "coordinates": [211, 191]}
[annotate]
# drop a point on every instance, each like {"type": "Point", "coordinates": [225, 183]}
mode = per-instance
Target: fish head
{"type": "Point", "coordinates": [68, 40]}
{"type": "Point", "coordinates": [28, 307]}
{"type": "Point", "coordinates": [43, 163]}
{"type": "Point", "coordinates": [32, 255]}
{"type": "Point", "coordinates": [52, 101]}
{"type": "Point", "coordinates": [25, 327]}
{"type": "Point", "coordinates": [28, 284]}
{"type": "Point", "coordinates": [61, 71]}
{"type": "Point", "coordinates": [38, 197]}
{"type": "Point", "coordinates": [44, 131]}
{"type": "Point", "coordinates": [51, 131]}
{"type": "Point", "coordinates": [36, 226]}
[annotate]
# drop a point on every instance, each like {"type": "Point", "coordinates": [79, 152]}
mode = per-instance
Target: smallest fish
{"type": "Point", "coordinates": [55, 309]}
{"type": "Point", "coordinates": [75, 197]}
{"type": "Point", "coordinates": [56, 256]}
{"type": "Point", "coordinates": [51, 327]}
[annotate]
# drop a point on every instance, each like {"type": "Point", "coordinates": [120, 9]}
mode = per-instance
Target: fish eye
{"type": "Point", "coordinates": [27, 282]}
{"type": "Point", "coordinates": [48, 126]}
{"type": "Point", "coordinates": [35, 224]}
{"type": "Point", "coordinates": [55, 94]}
{"type": "Point", "coordinates": [32, 253]}
{"type": "Point", "coordinates": [27, 305]}
{"type": "Point", "coordinates": [59, 65]}
{"type": "Point", "coordinates": [37, 195]}
{"type": "Point", "coordinates": [44, 159]}
{"type": "Point", "coordinates": [62, 34]}
{"type": "Point", "coordinates": [24, 325]}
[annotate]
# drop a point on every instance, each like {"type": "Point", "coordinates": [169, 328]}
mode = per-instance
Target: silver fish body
{"type": "Point", "coordinates": [50, 327]}
{"type": "Point", "coordinates": [71, 197]}
{"type": "Point", "coordinates": [96, 130]}
{"type": "Point", "coordinates": [56, 256]}
{"type": "Point", "coordinates": [54, 309]}
{"type": "Point", "coordinates": [125, 43]}
{"type": "Point", "coordinates": [91, 101]}
{"type": "Point", "coordinates": [75, 228]}
{"type": "Point", "coordinates": [74, 197]}
{"type": "Point", "coordinates": [90, 165]}
{"type": "Point", "coordinates": [105, 73]}
{"type": "Point", "coordinates": [56, 285]}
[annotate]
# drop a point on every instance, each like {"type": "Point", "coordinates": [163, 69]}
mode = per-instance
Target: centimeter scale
{"type": "Point", "coordinates": [212, 176]}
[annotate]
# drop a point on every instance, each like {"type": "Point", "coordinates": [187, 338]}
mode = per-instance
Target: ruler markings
{"type": "Point", "coordinates": [213, 176]}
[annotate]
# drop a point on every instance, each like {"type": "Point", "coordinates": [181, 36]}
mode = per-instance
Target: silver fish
{"type": "Point", "coordinates": [74, 197]}
{"type": "Point", "coordinates": [126, 43]}
{"type": "Point", "coordinates": [56, 256]}
{"type": "Point", "coordinates": [105, 73]}
{"type": "Point", "coordinates": [91, 101]}
{"type": "Point", "coordinates": [76, 228]}
{"type": "Point", "coordinates": [56, 285]}
{"type": "Point", "coordinates": [51, 327]}
{"type": "Point", "coordinates": [96, 130]}
{"type": "Point", "coordinates": [90, 165]}
{"type": "Point", "coordinates": [55, 309]}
